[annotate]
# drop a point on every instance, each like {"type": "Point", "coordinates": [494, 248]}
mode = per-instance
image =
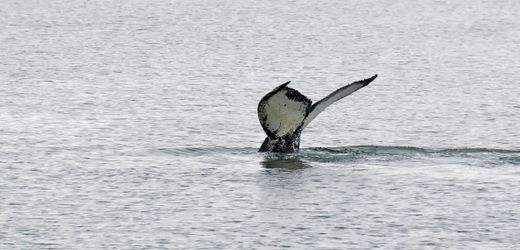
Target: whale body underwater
{"type": "Point", "coordinates": [284, 113]}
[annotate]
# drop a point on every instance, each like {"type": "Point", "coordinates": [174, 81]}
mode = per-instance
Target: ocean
{"type": "Point", "coordinates": [133, 125]}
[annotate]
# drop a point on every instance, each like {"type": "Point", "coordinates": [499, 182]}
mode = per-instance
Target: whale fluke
{"type": "Point", "coordinates": [284, 113]}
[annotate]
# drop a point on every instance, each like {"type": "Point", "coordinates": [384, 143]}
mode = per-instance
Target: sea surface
{"type": "Point", "coordinates": [132, 125]}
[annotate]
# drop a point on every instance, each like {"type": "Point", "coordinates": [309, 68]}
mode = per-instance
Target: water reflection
{"type": "Point", "coordinates": [284, 162]}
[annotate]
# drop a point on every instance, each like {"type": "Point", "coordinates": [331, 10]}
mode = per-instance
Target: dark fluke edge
{"type": "Point", "coordinates": [284, 113]}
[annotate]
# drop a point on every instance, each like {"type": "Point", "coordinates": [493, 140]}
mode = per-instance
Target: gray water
{"type": "Point", "coordinates": [132, 125]}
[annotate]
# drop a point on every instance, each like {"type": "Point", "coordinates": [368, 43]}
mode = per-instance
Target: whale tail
{"type": "Point", "coordinates": [284, 113]}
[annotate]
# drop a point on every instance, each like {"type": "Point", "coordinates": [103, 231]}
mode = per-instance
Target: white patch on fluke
{"type": "Point", "coordinates": [281, 115]}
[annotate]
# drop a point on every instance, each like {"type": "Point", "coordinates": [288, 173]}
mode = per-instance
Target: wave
{"type": "Point", "coordinates": [367, 149]}
{"type": "Point", "coordinates": [482, 157]}
{"type": "Point", "coordinates": [410, 149]}
{"type": "Point", "coordinates": [363, 153]}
